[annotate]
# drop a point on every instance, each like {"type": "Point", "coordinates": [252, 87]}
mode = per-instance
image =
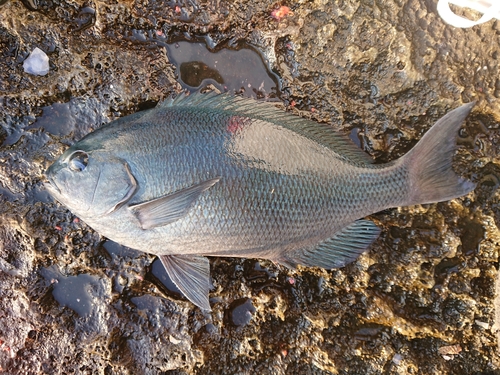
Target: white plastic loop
{"type": "Point", "coordinates": [489, 8]}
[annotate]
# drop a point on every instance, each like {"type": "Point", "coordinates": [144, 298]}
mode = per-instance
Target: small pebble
{"type": "Point", "coordinates": [37, 63]}
{"type": "Point", "coordinates": [397, 358]}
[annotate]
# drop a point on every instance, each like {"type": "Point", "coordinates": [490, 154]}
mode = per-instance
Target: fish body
{"type": "Point", "coordinates": [225, 176]}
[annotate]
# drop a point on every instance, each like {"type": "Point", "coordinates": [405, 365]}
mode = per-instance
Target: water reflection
{"type": "Point", "coordinates": [241, 71]}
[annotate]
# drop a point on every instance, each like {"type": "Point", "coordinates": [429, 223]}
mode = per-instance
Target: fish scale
{"type": "Point", "coordinates": [221, 175]}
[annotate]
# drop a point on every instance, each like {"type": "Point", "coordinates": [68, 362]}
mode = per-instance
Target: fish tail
{"type": "Point", "coordinates": [431, 176]}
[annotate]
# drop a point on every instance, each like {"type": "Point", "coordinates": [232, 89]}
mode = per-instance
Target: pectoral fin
{"type": "Point", "coordinates": [344, 247]}
{"type": "Point", "coordinates": [191, 274]}
{"type": "Point", "coordinates": [169, 208]}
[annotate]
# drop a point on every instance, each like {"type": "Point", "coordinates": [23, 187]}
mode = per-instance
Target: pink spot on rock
{"type": "Point", "coordinates": [281, 12]}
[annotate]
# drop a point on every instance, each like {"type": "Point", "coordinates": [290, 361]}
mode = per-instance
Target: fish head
{"type": "Point", "coordinates": [91, 183]}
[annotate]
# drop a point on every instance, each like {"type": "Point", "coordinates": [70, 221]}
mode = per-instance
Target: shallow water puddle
{"type": "Point", "coordinates": [57, 119]}
{"type": "Point", "coordinates": [240, 71]}
{"type": "Point", "coordinates": [241, 311]}
{"type": "Point", "coordinates": [76, 292]}
{"type": "Point", "coordinates": [69, 120]}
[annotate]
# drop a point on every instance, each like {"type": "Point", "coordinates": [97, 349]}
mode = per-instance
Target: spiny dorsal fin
{"type": "Point", "coordinates": [266, 111]}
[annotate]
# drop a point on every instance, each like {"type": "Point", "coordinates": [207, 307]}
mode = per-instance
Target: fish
{"type": "Point", "coordinates": [219, 175]}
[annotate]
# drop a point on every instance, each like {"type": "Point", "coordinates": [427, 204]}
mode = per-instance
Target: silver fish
{"type": "Point", "coordinates": [226, 176]}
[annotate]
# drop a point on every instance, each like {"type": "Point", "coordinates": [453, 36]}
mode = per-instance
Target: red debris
{"type": "Point", "coordinates": [177, 9]}
{"type": "Point", "coordinates": [281, 12]}
{"type": "Point", "coordinates": [58, 227]}
{"type": "Point", "coordinates": [76, 220]}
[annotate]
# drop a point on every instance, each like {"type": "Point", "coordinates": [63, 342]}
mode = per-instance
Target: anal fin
{"type": "Point", "coordinates": [342, 248]}
{"type": "Point", "coordinates": [191, 274]}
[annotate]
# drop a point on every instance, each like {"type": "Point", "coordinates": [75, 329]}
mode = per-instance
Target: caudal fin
{"type": "Point", "coordinates": [432, 178]}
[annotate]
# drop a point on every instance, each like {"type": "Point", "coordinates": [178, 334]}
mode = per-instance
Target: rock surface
{"type": "Point", "coordinates": [420, 302]}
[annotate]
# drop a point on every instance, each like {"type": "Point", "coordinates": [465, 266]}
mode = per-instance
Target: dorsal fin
{"type": "Point", "coordinates": [237, 105]}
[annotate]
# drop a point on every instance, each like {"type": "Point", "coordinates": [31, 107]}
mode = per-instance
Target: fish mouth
{"type": "Point", "coordinates": [51, 186]}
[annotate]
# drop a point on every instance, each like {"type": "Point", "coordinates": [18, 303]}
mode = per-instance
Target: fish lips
{"type": "Point", "coordinates": [49, 183]}
{"type": "Point", "coordinates": [51, 186]}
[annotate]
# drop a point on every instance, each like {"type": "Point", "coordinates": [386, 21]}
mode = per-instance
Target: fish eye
{"type": "Point", "coordinates": [78, 161]}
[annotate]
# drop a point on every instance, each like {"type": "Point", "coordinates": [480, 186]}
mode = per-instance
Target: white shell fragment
{"type": "Point", "coordinates": [481, 324]}
{"type": "Point", "coordinates": [37, 63]}
{"type": "Point", "coordinates": [449, 352]}
{"type": "Point", "coordinates": [489, 8]}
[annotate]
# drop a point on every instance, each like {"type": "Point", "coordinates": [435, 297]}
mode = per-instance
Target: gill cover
{"type": "Point", "coordinates": [91, 183]}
